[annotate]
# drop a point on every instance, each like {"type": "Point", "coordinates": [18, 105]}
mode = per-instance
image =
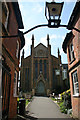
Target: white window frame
{"type": "Point", "coordinates": [15, 84]}
{"type": "Point", "coordinates": [17, 49]}
{"type": "Point", "coordinates": [71, 48]}
{"type": "Point", "coordinates": [75, 84]}
{"type": "Point", "coordinates": [6, 22]}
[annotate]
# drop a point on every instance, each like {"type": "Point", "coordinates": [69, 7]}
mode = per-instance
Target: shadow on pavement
{"type": "Point", "coordinates": [26, 117]}
{"type": "Point", "coordinates": [30, 116]}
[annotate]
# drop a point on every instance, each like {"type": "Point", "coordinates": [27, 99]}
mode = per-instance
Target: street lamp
{"type": "Point", "coordinates": [53, 12]}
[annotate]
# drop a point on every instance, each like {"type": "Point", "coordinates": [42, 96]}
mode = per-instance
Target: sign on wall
{"type": "Point", "coordinates": [57, 72]}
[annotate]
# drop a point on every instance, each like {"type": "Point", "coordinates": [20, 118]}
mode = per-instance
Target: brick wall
{"type": "Point", "coordinates": [75, 99]}
{"type": "Point", "coordinates": [13, 100]}
{"type": "Point", "coordinates": [9, 53]}
{"type": "Point", "coordinates": [10, 43]}
{"type": "Point", "coordinates": [76, 44]}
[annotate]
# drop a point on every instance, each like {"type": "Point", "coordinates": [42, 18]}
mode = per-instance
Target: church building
{"type": "Point", "coordinates": [41, 72]}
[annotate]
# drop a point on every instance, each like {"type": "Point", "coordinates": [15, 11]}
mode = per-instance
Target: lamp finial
{"type": "Point", "coordinates": [33, 39]}
{"type": "Point", "coordinates": [48, 39]}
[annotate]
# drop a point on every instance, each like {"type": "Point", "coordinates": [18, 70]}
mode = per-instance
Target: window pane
{"type": "Point", "coordinates": [69, 55]}
{"type": "Point", "coordinates": [40, 65]}
{"type": "Point", "coordinates": [71, 47]}
{"type": "Point", "coordinates": [36, 69]}
{"type": "Point", "coordinates": [26, 80]}
{"type": "Point", "coordinates": [45, 74]}
{"type": "Point", "coordinates": [77, 86]}
{"type": "Point", "coordinates": [71, 52]}
{"type": "Point", "coordinates": [77, 90]}
{"type": "Point", "coordinates": [75, 83]}
{"type": "Point", "coordinates": [26, 74]}
{"type": "Point", "coordinates": [76, 78]}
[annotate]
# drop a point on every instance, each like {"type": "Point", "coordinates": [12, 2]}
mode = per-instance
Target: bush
{"type": "Point", "coordinates": [27, 101]}
{"type": "Point", "coordinates": [63, 108]}
{"type": "Point", "coordinates": [53, 98]}
{"type": "Point", "coordinates": [65, 101]}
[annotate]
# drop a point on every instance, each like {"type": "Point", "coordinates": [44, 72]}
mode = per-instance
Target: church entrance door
{"type": "Point", "coordinates": [40, 88]}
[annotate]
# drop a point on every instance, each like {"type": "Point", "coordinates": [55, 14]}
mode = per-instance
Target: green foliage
{"type": "Point", "coordinates": [27, 101]}
{"type": "Point", "coordinates": [61, 104]}
{"type": "Point", "coordinates": [65, 101]}
{"type": "Point", "coordinates": [53, 98]}
{"type": "Point", "coordinates": [63, 108]}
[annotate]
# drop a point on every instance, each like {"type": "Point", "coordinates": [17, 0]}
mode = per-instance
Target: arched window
{"type": "Point", "coordinates": [36, 69]}
{"type": "Point", "coordinates": [45, 70]}
{"type": "Point", "coordinates": [40, 66]}
{"type": "Point", "coordinates": [27, 79]}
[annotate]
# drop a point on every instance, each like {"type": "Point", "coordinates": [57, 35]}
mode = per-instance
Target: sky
{"type": "Point", "coordinates": [33, 13]}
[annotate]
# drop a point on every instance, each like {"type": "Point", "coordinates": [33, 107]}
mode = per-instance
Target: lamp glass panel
{"type": "Point", "coordinates": [47, 14]}
{"type": "Point", "coordinates": [55, 9]}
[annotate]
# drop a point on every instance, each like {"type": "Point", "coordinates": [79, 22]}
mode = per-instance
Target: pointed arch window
{"type": "Point", "coordinates": [40, 66]}
{"type": "Point", "coordinates": [45, 73]}
{"type": "Point", "coordinates": [36, 69]}
{"type": "Point", "coordinates": [27, 79]}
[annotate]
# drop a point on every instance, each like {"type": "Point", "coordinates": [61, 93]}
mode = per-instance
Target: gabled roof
{"type": "Point", "coordinates": [27, 57]}
{"type": "Point", "coordinates": [18, 15]}
{"type": "Point", "coordinates": [54, 56]}
{"type": "Point", "coordinates": [74, 16]}
{"type": "Point", "coordinates": [39, 45]}
{"type": "Point", "coordinates": [73, 19]}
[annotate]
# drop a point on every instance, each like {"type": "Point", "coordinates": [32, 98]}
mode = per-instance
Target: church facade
{"type": "Point", "coordinates": [41, 72]}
